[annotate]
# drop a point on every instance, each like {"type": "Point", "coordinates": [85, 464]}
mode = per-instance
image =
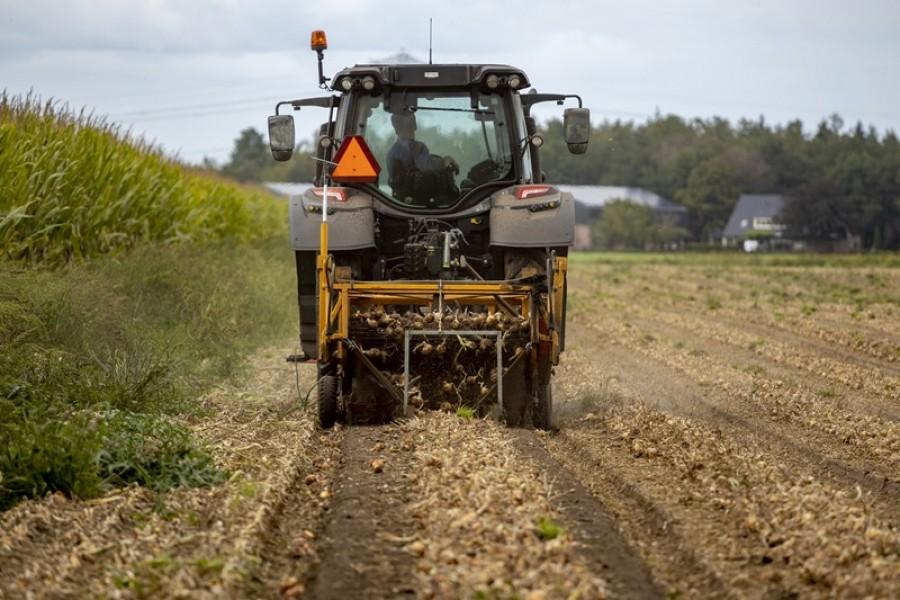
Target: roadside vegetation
{"type": "Point", "coordinates": [127, 285]}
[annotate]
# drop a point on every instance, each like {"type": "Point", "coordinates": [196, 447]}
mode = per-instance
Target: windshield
{"type": "Point", "coordinates": [434, 148]}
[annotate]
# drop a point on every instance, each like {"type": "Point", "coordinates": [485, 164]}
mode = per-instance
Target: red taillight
{"type": "Point", "coordinates": [337, 194]}
{"type": "Point", "coordinates": [524, 192]}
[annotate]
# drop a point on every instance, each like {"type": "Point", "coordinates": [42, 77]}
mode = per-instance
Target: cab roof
{"type": "Point", "coordinates": [440, 75]}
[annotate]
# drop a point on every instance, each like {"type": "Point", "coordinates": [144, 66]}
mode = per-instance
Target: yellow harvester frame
{"type": "Point", "coordinates": [338, 298]}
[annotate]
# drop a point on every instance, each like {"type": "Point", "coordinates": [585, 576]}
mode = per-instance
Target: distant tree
{"type": "Point", "coordinates": [249, 157]}
{"type": "Point", "coordinates": [709, 195]}
{"type": "Point", "coordinates": [251, 160]}
{"type": "Point", "coordinates": [624, 225]}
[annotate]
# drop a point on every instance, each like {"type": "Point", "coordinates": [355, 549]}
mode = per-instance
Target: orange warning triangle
{"type": "Point", "coordinates": [355, 163]}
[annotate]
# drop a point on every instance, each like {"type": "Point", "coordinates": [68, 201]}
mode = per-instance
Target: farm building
{"type": "Point", "coordinates": [590, 199]}
{"type": "Point", "coordinates": [755, 221]}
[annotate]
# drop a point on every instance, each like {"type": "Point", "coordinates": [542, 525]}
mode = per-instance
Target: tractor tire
{"type": "Point", "coordinates": [327, 401]}
{"type": "Point", "coordinates": [542, 416]}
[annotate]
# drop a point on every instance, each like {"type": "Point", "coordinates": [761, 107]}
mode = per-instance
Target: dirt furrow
{"type": "Point", "coordinates": [846, 435]}
{"type": "Point", "coordinates": [361, 552]}
{"type": "Point", "coordinates": [803, 342]}
{"type": "Point", "coordinates": [597, 532]}
{"type": "Point", "coordinates": [868, 338]}
{"type": "Point", "coordinates": [443, 506]}
{"type": "Point", "coordinates": [630, 378]}
{"type": "Point", "coordinates": [288, 544]}
{"type": "Point", "coordinates": [489, 521]}
{"type": "Point", "coordinates": [877, 377]}
{"type": "Point", "coordinates": [647, 526]}
{"type": "Point", "coordinates": [736, 356]}
{"type": "Point", "coordinates": [758, 525]}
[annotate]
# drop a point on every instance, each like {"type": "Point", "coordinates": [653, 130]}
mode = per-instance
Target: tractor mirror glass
{"type": "Point", "coordinates": [281, 136]}
{"type": "Point", "coordinates": [577, 129]}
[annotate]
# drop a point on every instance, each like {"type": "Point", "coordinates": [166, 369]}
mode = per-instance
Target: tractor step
{"type": "Point", "coordinates": [302, 357]}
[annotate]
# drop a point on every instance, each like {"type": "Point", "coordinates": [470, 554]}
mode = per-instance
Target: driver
{"type": "Point", "coordinates": [409, 157]}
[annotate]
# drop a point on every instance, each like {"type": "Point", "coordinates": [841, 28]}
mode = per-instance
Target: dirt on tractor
{"type": "Point", "coordinates": [724, 428]}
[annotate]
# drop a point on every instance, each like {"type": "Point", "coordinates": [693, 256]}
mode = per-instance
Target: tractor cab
{"type": "Point", "coordinates": [444, 136]}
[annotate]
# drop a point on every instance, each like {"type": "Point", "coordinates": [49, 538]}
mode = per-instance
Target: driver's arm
{"type": "Point", "coordinates": [450, 163]}
{"type": "Point", "coordinates": [426, 161]}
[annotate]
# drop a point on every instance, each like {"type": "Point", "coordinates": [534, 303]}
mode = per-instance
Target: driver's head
{"type": "Point", "coordinates": [404, 124]}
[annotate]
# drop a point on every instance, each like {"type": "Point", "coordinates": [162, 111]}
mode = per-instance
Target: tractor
{"type": "Point", "coordinates": [431, 252]}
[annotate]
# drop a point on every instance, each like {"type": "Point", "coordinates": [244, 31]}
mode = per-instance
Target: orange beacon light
{"type": "Point", "coordinates": [318, 41]}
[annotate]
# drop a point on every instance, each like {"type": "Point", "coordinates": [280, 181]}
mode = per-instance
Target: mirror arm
{"type": "Point", "coordinates": [528, 100]}
{"type": "Point", "coordinates": [321, 102]}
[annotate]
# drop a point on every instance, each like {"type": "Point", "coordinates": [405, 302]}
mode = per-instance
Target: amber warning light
{"type": "Point", "coordinates": [318, 41]}
{"type": "Point", "coordinates": [354, 162]}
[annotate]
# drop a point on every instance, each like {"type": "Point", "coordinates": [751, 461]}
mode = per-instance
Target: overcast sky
{"type": "Point", "coordinates": [191, 74]}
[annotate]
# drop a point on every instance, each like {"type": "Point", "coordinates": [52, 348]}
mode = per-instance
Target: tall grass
{"type": "Point", "coordinates": [73, 186]}
{"type": "Point", "coordinates": [101, 362]}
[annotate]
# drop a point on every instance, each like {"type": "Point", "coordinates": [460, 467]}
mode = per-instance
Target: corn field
{"type": "Point", "coordinates": [73, 186]}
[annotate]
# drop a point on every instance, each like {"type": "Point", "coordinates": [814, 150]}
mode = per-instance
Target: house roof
{"type": "Point", "coordinates": [749, 207]}
{"type": "Point", "coordinates": [596, 196]}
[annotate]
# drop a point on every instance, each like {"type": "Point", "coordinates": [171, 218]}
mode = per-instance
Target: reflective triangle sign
{"type": "Point", "coordinates": [355, 163]}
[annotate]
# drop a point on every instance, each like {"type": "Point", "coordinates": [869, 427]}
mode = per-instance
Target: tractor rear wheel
{"type": "Point", "coordinates": [542, 416]}
{"type": "Point", "coordinates": [328, 401]}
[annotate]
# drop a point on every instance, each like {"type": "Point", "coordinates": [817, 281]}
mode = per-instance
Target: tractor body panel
{"type": "Point", "coordinates": [352, 222]}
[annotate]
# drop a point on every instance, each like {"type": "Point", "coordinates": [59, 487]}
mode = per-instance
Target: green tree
{"type": "Point", "coordinates": [624, 225]}
{"type": "Point", "coordinates": [709, 194]}
{"type": "Point", "coordinates": [249, 157]}
{"type": "Point", "coordinates": [251, 160]}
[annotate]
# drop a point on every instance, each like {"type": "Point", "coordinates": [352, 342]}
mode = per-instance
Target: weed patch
{"type": "Point", "coordinates": [99, 362]}
{"type": "Point", "coordinates": [465, 412]}
{"type": "Point", "coordinates": [547, 529]}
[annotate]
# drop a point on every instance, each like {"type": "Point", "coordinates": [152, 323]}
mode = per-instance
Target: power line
{"type": "Point", "coordinates": [199, 91]}
{"type": "Point", "coordinates": [149, 112]}
{"type": "Point", "coordinates": [207, 113]}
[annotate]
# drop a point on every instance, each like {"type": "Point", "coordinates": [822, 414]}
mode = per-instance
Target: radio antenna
{"type": "Point", "coordinates": [429, 39]}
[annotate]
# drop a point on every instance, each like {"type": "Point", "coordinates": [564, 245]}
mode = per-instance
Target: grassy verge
{"type": "Point", "coordinates": [99, 361]}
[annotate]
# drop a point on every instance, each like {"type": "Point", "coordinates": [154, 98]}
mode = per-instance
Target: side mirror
{"type": "Point", "coordinates": [577, 129]}
{"type": "Point", "coordinates": [281, 136]}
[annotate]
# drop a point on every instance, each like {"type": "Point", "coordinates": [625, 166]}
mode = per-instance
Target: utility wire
{"type": "Point", "coordinates": [188, 115]}
{"type": "Point", "coordinates": [190, 94]}
{"type": "Point", "coordinates": [177, 109]}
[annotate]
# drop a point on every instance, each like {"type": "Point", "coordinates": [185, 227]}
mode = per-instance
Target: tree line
{"type": "Point", "coordinates": [840, 181]}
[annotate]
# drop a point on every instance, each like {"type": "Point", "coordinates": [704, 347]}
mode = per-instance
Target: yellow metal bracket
{"type": "Point", "coordinates": [558, 294]}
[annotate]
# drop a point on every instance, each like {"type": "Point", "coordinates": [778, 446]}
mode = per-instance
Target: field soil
{"type": "Point", "coordinates": [725, 429]}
